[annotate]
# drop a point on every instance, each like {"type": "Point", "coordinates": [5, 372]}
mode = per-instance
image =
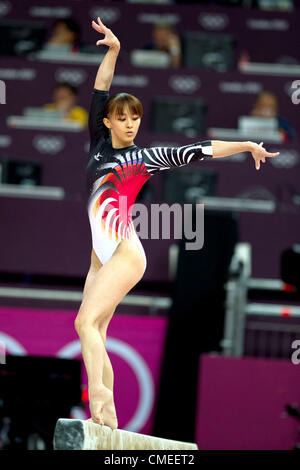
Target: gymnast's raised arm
{"type": "Point", "coordinates": [107, 67]}
{"type": "Point", "coordinates": [100, 94]}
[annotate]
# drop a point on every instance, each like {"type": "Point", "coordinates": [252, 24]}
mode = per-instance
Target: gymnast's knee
{"type": "Point", "coordinates": [83, 323]}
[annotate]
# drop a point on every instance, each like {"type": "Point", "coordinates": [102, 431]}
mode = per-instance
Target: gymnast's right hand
{"type": "Point", "coordinates": [109, 39]}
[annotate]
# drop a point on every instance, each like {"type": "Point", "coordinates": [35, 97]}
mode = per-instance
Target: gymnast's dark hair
{"type": "Point", "coordinates": [116, 104]}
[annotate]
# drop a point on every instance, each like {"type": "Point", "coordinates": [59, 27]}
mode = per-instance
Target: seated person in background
{"type": "Point", "coordinates": [65, 34]}
{"type": "Point", "coordinates": [266, 105]}
{"type": "Point", "coordinates": [165, 38]}
{"type": "Point", "coordinates": [64, 99]}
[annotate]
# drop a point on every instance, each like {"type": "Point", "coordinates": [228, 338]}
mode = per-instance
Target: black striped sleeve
{"type": "Point", "coordinates": [161, 158]}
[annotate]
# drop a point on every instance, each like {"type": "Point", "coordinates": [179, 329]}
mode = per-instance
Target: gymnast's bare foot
{"type": "Point", "coordinates": [110, 416]}
{"type": "Point", "coordinates": [102, 406]}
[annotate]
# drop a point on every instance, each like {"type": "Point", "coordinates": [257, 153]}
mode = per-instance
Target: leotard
{"type": "Point", "coordinates": [112, 173]}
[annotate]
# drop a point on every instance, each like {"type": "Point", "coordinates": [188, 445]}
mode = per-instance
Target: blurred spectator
{"type": "Point", "coordinates": [165, 38]}
{"type": "Point", "coordinates": [65, 33]}
{"type": "Point", "coordinates": [64, 99]}
{"type": "Point", "coordinates": [266, 106]}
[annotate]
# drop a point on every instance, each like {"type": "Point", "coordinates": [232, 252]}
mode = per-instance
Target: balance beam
{"type": "Point", "coordinates": [76, 434]}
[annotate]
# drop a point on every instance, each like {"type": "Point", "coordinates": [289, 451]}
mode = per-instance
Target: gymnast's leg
{"type": "Point", "coordinates": [108, 374]}
{"type": "Point", "coordinates": [107, 288]}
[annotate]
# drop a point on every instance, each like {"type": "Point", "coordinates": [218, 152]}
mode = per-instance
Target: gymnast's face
{"type": "Point", "coordinates": [123, 127]}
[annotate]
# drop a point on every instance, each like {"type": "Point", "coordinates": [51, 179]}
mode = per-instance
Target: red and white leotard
{"type": "Point", "coordinates": [115, 177]}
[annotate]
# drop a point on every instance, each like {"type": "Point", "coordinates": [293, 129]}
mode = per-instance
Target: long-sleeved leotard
{"type": "Point", "coordinates": [115, 177]}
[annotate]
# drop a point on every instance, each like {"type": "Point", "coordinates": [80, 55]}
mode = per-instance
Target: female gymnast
{"type": "Point", "coordinates": [117, 167]}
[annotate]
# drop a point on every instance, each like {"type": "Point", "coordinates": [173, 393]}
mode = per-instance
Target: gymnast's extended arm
{"type": "Point", "coordinates": [107, 67]}
{"type": "Point", "coordinates": [222, 148]}
{"type": "Point", "coordinates": [160, 158]}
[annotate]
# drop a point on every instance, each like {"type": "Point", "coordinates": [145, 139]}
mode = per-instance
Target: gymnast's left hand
{"type": "Point", "coordinates": [259, 154]}
{"type": "Point", "coordinates": [109, 39]}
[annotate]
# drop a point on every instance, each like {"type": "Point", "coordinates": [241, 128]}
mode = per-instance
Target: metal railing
{"type": "Point", "coordinates": [249, 328]}
{"type": "Point", "coordinates": [151, 302]}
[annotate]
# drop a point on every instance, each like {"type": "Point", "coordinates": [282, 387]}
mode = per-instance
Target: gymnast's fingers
{"type": "Point", "coordinates": [269, 154]}
{"type": "Point", "coordinates": [97, 27]}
